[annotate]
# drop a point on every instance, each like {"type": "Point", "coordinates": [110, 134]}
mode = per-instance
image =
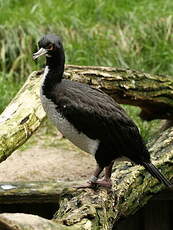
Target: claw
{"type": "Point", "coordinates": [104, 183]}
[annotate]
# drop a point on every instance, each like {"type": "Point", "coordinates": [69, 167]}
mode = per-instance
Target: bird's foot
{"type": "Point", "coordinates": [107, 183]}
{"type": "Point", "coordinates": [88, 184]}
{"type": "Point", "coordinates": [91, 183]}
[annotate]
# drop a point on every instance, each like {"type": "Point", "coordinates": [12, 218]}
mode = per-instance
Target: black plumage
{"type": "Point", "coordinates": [91, 115]}
{"type": "Point", "coordinates": [97, 115]}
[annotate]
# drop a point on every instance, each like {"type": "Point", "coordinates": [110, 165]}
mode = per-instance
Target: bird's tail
{"type": "Point", "coordinates": [156, 173]}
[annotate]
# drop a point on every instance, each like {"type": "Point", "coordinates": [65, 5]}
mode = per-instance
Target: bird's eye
{"type": "Point", "coordinates": [50, 47]}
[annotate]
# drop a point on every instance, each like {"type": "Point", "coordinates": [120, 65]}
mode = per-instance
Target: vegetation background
{"type": "Point", "coordinates": [134, 34]}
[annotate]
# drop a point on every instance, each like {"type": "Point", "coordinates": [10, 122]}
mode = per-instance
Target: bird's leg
{"type": "Point", "coordinates": [106, 181]}
{"type": "Point", "coordinates": [92, 181]}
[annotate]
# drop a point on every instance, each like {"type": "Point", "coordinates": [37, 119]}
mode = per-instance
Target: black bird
{"type": "Point", "coordinates": [89, 118]}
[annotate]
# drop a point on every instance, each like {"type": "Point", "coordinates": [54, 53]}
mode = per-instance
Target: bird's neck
{"type": "Point", "coordinates": [53, 74]}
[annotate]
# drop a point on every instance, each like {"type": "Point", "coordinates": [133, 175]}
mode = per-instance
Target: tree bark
{"type": "Point", "coordinates": [21, 117]}
{"type": "Point", "coordinates": [152, 93]}
{"type": "Point", "coordinates": [33, 192]}
{"type": "Point", "coordinates": [21, 221]}
{"type": "Point", "coordinates": [133, 186]}
{"type": "Point", "coordinates": [93, 209]}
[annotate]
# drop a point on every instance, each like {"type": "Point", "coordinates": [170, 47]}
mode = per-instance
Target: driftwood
{"type": "Point", "coordinates": [133, 186]}
{"type": "Point", "coordinates": [22, 221]}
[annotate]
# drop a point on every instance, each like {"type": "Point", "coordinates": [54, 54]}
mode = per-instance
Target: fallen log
{"type": "Point", "coordinates": [133, 188]}
{"type": "Point", "coordinates": [152, 93]}
{"type": "Point", "coordinates": [21, 221]}
{"type": "Point", "coordinates": [32, 192]}
{"type": "Point", "coordinates": [21, 117]}
{"type": "Point", "coordinates": [91, 209]}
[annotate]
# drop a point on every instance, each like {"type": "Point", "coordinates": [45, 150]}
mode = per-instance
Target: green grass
{"type": "Point", "coordinates": [8, 89]}
{"type": "Point", "coordinates": [135, 34]}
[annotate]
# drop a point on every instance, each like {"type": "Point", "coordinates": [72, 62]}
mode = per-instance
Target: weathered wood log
{"type": "Point", "coordinates": [153, 93]}
{"type": "Point", "coordinates": [20, 221]}
{"type": "Point", "coordinates": [133, 186]}
{"type": "Point", "coordinates": [21, 117]}
{"type": "Point", "coordinates": [99, 208]}
{"type": "Point", "coordinates": [33, 192]}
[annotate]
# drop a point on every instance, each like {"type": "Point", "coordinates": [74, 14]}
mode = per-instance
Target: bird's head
{"type": "Point", "coordinates": [49, 45]}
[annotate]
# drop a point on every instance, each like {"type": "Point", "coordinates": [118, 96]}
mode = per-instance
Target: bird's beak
{"type": "Point", "coordinates": [39, 53]}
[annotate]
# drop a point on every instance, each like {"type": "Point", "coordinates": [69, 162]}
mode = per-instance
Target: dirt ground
{"type": "Point", "coordinates": [47, 157]}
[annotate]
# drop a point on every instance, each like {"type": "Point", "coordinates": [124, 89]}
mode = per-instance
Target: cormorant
{"type": "Point", "coordinates": [90, 118]}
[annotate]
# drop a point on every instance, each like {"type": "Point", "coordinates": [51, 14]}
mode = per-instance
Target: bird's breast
{"type": "Point", "coordinates": [67, 129]}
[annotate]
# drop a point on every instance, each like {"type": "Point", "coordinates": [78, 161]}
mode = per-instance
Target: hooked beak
{"type": "Point", "coordinates": [39, 53]}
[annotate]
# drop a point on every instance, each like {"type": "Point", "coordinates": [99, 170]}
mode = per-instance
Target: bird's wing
{"type": "Point", "coordinates": [96, 114]}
